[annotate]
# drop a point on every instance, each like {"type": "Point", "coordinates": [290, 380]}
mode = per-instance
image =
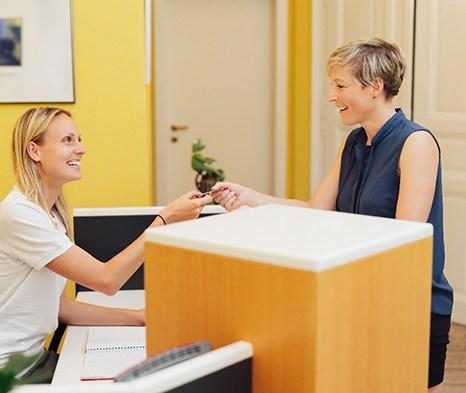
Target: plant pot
{"type": "Point", "coordinates": [205, 181]}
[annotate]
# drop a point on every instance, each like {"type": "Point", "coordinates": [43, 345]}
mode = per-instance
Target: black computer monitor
{"type": "Point", "coordinates": [104, 232]}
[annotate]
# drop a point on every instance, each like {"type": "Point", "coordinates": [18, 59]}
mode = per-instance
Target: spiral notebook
{"type": "Point", "coordinates": [111, 350]}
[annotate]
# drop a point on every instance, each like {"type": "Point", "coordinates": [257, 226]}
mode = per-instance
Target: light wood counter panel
{"type": "Point", "coordinates": [357, 327]}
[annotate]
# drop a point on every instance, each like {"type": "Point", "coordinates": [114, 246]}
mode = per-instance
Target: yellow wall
{"type": "Point", "coordinates": [113, 106]}
{"type": "Point", "coordinates": [110, 109]}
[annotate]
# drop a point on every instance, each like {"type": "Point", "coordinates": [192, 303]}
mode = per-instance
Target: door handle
{"type": "Point", "coordinates": [178, 127]}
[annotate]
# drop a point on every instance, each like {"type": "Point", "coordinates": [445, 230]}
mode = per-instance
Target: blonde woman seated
{"type": "Point", "coordinates": [37, 254]}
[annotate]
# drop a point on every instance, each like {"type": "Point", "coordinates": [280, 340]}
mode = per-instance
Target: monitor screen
{"type": "Point", "coordinates": [104, 232]}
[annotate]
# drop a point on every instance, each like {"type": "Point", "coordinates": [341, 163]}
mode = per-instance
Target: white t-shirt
{"type": "Point", "coordinates": [29, 291]}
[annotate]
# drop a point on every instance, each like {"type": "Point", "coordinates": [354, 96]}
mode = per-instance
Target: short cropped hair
{"type": "Point", "coordinates": [371, 59]}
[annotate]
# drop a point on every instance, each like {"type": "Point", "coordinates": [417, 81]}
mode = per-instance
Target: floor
{"type": "Point", "coordinates": [455, 371]}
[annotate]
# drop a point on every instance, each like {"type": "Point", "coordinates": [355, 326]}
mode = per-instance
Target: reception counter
{"type": "Point", "coordinates": [331, 302]}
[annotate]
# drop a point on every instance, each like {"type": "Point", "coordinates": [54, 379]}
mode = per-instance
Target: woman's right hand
{"type": "Point", "coordinates": [231, 196]}
{"type": "Point", "coordinates": [186, 207]}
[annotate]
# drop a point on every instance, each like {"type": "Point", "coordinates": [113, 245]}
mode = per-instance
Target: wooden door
{"type": "Point", "coordinates": [220, 68]}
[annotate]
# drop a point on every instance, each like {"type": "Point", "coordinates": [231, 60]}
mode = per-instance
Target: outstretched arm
{"type": "Point", "coordinates": [232, 196]}
{"type": "Point", "coordinates": [79, 266]}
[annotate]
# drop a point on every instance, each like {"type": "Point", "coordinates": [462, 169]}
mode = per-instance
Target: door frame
{"type": "Point", "coordinates": [281, 91]}
{"type": "Point", "coordinates": [316, 98]}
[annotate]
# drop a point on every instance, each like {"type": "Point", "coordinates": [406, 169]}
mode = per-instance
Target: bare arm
{"type": "Point", "coordinates": [232, 196]}
{"type": "Point", "coordinates": [418, 174]}
{"type": "Point", "coordinates": [72, 312]}
{"type": "Point", "coordinates": [79, 266]}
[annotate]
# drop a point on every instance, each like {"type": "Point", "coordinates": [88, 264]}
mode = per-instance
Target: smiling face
{"type": "Point", "coordinates": [354, 102]}
{"type": "Point", "coordinates": [58, 154]}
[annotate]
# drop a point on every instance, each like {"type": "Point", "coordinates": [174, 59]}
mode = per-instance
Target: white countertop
{"type": "Point", "coordinates": [302, 238]}
{"type": "Point", "coordinates": [134, 211]}
{"type": "Point", "coordinates": [70, 363]}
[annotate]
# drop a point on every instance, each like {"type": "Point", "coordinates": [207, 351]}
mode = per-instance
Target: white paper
{"type": "Point", "coordinates": [112, 350]}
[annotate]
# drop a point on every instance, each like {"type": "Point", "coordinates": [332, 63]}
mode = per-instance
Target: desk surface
{"type": "Point", "coordinates": [301, 238]}
{"type": "Point", "coordinates": [69, 365]}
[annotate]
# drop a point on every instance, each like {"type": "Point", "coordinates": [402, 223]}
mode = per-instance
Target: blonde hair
{"type": "Point", "coordinates": [371, 59]}
{"type": "Point", "coordinates": [31, 127]}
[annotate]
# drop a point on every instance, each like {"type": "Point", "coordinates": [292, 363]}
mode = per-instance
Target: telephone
{"type": "Point", "coordinates": [164, 359]}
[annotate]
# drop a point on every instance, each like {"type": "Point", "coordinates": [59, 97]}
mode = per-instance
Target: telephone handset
{"type": "Point", "coordinates": [164, 359]}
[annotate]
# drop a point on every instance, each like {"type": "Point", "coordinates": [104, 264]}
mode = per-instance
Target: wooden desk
{"type": "Point", "coordinates": [69, 365]}
{"type": "Point", "coordinates": [331, 302]}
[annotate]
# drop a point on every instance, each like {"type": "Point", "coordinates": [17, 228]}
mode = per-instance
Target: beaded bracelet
{"type": "Point", "coordinates": [163, 220]}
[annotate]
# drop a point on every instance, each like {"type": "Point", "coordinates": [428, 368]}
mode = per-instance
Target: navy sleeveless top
{"type": "Point", "coordinates": [369, 184]}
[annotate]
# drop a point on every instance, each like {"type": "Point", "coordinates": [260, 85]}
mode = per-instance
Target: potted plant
{"type": "Point", "coordinates": [207, 175]}
{"type": "Point", "coordinates": [15, 364]}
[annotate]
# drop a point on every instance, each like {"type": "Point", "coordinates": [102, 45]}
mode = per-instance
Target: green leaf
{"type": "Point", "coordinates": [7, 380]}
{"type": "Point", "coordinates": [202, 163]}
{"type": "Point", "coordinates": [15, 364]}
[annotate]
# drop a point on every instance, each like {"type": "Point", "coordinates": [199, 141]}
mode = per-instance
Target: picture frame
{"type": "Point", "coordinates": [36, 51]}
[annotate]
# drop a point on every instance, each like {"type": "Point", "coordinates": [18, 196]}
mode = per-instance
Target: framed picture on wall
{"type": "Point", "coordinates": [36, 52]}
